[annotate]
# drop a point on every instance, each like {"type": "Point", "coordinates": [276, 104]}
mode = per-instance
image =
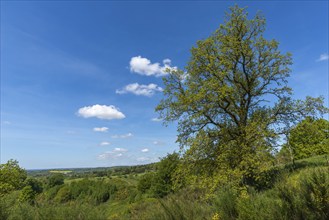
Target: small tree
{"type": "Point", "coordinates": [163, 181]}
{"type": "Point", "coordinates": [160, 183]}
{"type": "Point", "coordinates": [12, 176]}
{"type": "Point", "coordinates": [35, 184]}
{"type": "Point", "coordinates": [310, 137]}
{"type": "Point", "coordinates": [56, 179]}
{"type": "Point", "coordinates": [145, 182]}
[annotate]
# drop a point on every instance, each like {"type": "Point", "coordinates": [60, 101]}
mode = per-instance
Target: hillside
{"type": "Point", "coordinates": [295, 192]}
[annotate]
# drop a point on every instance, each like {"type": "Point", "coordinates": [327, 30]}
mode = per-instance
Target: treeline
{"type": "Point", "coordinates": [96, 172]}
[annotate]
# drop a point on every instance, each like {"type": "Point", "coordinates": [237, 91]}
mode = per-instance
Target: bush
{"type": "Point", "coordinates": [145, 182]}
{"type": "Point", "coordinates": [259, 206]}
{"type": "Point", "coordinates": [35, 184]}
{"type": "Point", "coordinates": [95, 192]}
{"type": "Point", "coordinates": [184, 205]}
{"type": "Point", "coordinates": [27, 195]}
{"type": "Point", "coordinates": [73, 211]}
{"type": "Point", "coordinates": [63, 195]}
{"type": "Point", "coordinates": [160, 183]}
{"type": "Point", "coordinates": [226, 202]}
{"type": "Point", "coordinates": [56, 180]}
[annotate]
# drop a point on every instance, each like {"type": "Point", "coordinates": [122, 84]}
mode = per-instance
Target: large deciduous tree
{"type": "Point", "coordinates": [232, 101]}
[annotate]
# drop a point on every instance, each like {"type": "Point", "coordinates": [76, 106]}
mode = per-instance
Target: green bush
{"type": "Point", "coordinates": [145, 182]}
{"type": "Point", "coordinates": [226, 202]}
{"type": "Point", "coordinates": [74, 211]}
{"type": "Point", "coordinates": [35, 184]}
{"type": "Point", "coordinates": [56, 180]}
{"type": "Point", "coordinates": [160, 183]}
{"type": "Point", "coordinates": [94, 191]}
{"type": "Point", "coordinates": [63, 195]}
{"type": "Point", "coordinates": [27, 195]}
{"type": "Point", "coordinates": [184, 205]}
{"type": "Point", "coordinates": [259, 206]}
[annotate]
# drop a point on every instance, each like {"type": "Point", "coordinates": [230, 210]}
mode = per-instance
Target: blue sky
{"type": "Point", "coordinates": [80, 79]}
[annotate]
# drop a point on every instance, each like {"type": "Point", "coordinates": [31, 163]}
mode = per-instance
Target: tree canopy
{"type": "Point", "coordinates": [12, 176]}
{"type": "Point", "coordinates": [232, 102]}
{"type": "Point", "coordinates": [309, 137]}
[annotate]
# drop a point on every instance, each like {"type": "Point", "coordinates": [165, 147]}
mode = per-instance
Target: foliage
{"type": "Point", "coordinates": [307, 197]}
{"type": "Point", "coordinates": [184, 204]}
{"type": "Point", "coordinates": [221, 100]}
{"type": "Point", "coordinates": [310, 137]}
{"type": "Point", "coordinates": [145, 182]}
{"type": "Point", "coordinates": [299, 193]}
{"type": "Point", "coordinates": [226, 202]}
{"type": "Point", "coordinates": [55, 179]}
{"type": "Point", "coordinates": [27, 194]}
{"type": "Point", "coordinates": [36, 185]}
{"type": "Point", "coordinates": [12, 177]}
{"type": "Point", "coordinates": [160, 183]}
{"type": "Point", "coordinates": [95, 192]}
{"type": "Point", "coordinates": [74, 211]}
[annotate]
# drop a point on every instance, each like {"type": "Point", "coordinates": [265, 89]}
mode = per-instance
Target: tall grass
{"type": "Point", "coordinates": [184, 205]}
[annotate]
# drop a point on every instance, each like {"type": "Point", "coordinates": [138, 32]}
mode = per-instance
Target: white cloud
{"type": "Point", "coordinates": [145, 150]}
{"type": "Point", "coordinates": [118, 149]}
{"type": "Point", "coordinates": [114, 154]}
{"type": "Point", "coordinates": [323, 57]}
{"type": "Point", "coordinates": [108, 112]}
{"type": "Point", "coordinates": [158, 143]}
{"type": "Point", "coordinates": [144, 66]}
{"type": "Point", "coordinates": [123, 136]}
{"type": "Point", "coordinates": [145, 90]}
{"type": "Point", "coordinates": [104, 143]}
{"type": "Point", "coordinates": [101, 129]}
{"type": "Point", "coordinates": [156, 119]}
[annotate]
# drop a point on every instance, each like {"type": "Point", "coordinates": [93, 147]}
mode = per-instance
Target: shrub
{"type": "Point", "coordinates": [35, 184]}
{"type": "Point", "coordinates": [226, 202]}
{"type": "Point", "coordinates": [56, 179]}
{"type": "Point", "coordinates": [27, 195]}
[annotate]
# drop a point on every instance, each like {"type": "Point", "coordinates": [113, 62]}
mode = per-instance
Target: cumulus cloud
{"type": "Point", "coordinates": [107, 112]}
{"type": "Point", "coordinates": [156, 119]}
{"type": "Point", "coordinates": [123, 136]}
{"type": "Point", "coordinates": [323, 57]}
{"type": "Point", "coordinates": [101, 129]}
{"type": "Point", "coordinates": [114, 154]}
{"type": "Point", "coordinates": [104, 143]}
{"type": "Point", "coordinates": [145, 90]}
{"type": "Point", "coordinates": [144, 66]}
{"type": "Point", "coordinates": [145, 150]}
